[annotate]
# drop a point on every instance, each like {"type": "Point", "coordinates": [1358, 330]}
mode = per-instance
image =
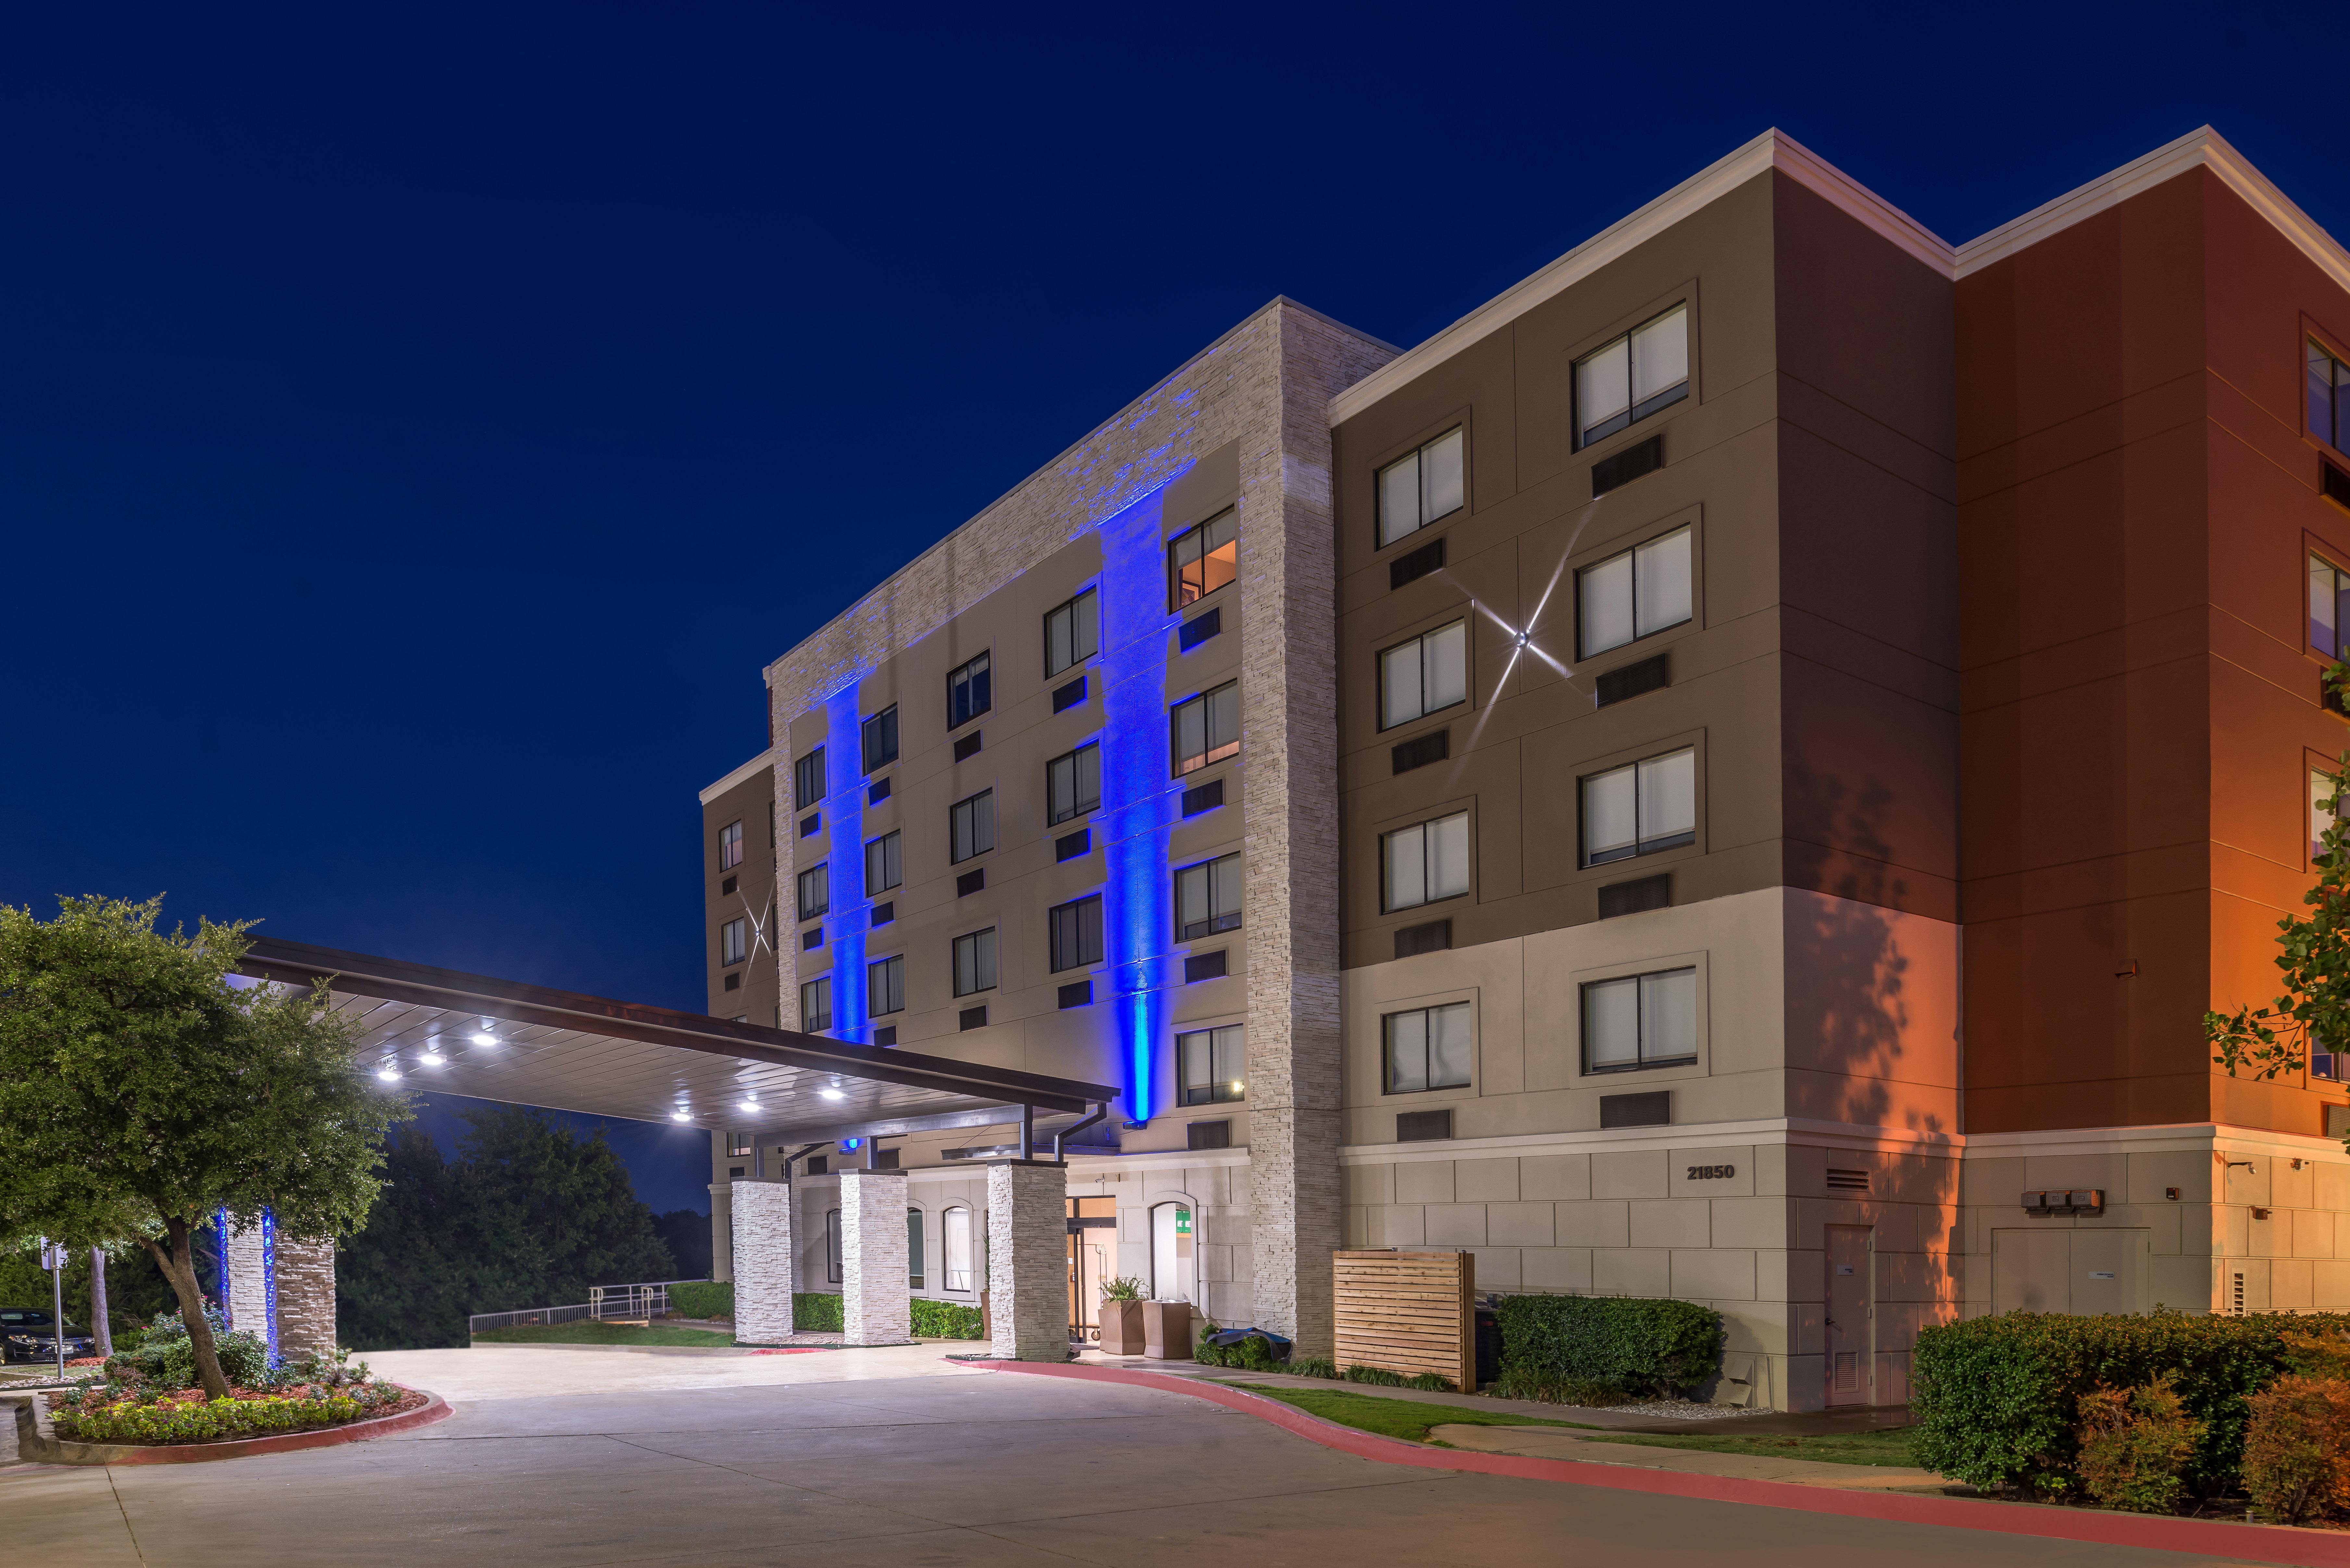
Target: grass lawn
{"type": "Point", "coordinates": [586, 1333]}
{"type": "Point", "coordinates": [1411, 1420]}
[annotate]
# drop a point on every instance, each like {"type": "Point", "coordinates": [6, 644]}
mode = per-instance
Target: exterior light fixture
{"type": "Point", "coordinates": [388, 1072]}
{"type": "Point", "coordinates": [1236, 1086]}
{"type": "Point", "coordinates": [832, 1094]}
{"type": "Point", "coordinates": [751, 1103]}
{"type": "Point", "coordinates": [485, 1039]}
{"type": "Point", "coordinates": [432, 1054]}
{"type": "Point", "coordinates": [681, 1115]}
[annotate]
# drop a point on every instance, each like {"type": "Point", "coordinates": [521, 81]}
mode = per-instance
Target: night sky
{"type": "Point", "coordinates": [420, 424]}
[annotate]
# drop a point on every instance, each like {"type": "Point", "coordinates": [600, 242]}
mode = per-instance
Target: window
{"type": "Point", "coordinates": [1208, 898]}
{"type": "Point", "coordinates": [1630, 595]}
{"type": "Point", "coordinates": [1202, 559]}
{"type": "Point", "coordinates": [1071, 634]}
{"type": "Point", "coordinates": [884, 868]}
{"type": "Point", "coordinates": [730, 846]}
{"type": "Point", "coordinates": [1427, 1048]}
{"type": "Point", "coordinates": [885, 986]}
{"type": "Point", "coordinates": [1419, 677]}
{"type": "Point", "coordinates": [956, 1225]}
{"type": "Point", "coordinates": [1427, 862]}
{"type": "Point", "coordinates": [2329, 608]}
{"type": "Point", "coordinates": [1640, 808]}
{"type": "Point", "coordinates": [972, 826]}
{"type": "Point", "coordinates": [881, 738]}
{"type": "Point", "coordinates": [2329, 398]}
{"type": "Point", "coordinates": [1420, 488]}
{"type": "Point", "coordinates": [914, 1248]}
{"type": "Point", "coordinates": [974, 962]}
{"type": "Point", "coordinates": [816, 1003]}
{"type": "Point", "coordinates": [2321, 816]}
{"type": "Point", "coordinates": [1207, 728]}
{"type": "Point", "coordinates": [815, 897]}
{"type": "Point", "coordinates": [832, 1245]}
{"type": "Point", "coordinates": [1628, 379]}
{"type": "Point", "coordinates": [738, 1144]}
{"type": "Point", "coordinates": [1076, 929]}
{"type": "Point", "coordinates": [1640, 1020]}
{"type": "Point", "coordinates": [967, 692]}
{"type": "Point", "coordinates": [1211, 1063]}
{"type": "Point", "coordinates": [807, 780]}
{"type": "Point", "coordinates": [730, 941]}
{"type": "Point", "coordinates": [1073, 784]}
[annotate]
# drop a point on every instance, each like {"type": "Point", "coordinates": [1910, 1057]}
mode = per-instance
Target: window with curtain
{"type": "Point", "coordinates": [1072, 634]}
{"type": "Point", "coordinates": [885, 986]}
{"type": "Point", "coordinates": [730, 845]}
{"type": "Point", "coordinates": [971, 826]}
{"type": "Point", "coordinates": [1425, 862]}
{"type": "Point", "coordinates": [816, 1003]}
{"type": "Point", "coordinates": [1640, 1020]}
{"type": "Point", "coordinates": [1621, 383]}
{"type": "Point", "coordinates": [968, 692]}
{"type": "Point", "coordinates": [807, 780]}
{"type": "Point", "coordinates": [1208, 898]}
{"type": "Point", "coordinates": [1631, 595]}
{"type": "Point", "coordinates": [2329, 607]}
{"type": "Point", "coordinates": [1213, 1063]}
{"type": "Point", "coordinates": [1640, 808]}
{"type": "Point", "coordinates": [1205, 729]}
{"type": "Point", "coordinates": [954, 1226]}
{"type": "Point", "coordinates": [974, 962]}
{"type": "Point", "coordinates": [814, 893]}
{"type": "Point", "coordinates": [1420, 488]}
{"type": "Point", "coordinates": [1202, 559]}
{"type": "Point", "coordinates": [730, 941]}
{"type": "Point", "coordinates": [2329, 397]}
{"type": "Point", "coordinates": [1428, 673]}
{"type": "Point", "coordinates": [881, 738]}
{"type": "Point", "coordinates": [1077, 933]}
{"type": "Point", "coordinates": [914, 1248]}
{"type": "Point", "coordinates": [1427, 1048]}
{"type": "Point", "coordinates": [1073, 784]}
{"type": "Point", "coordinates": [884, 867]}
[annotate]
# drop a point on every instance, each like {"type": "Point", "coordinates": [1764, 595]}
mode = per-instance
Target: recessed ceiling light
{"type": "Point", "coordinates": [750, 1104]}
{"type": "Point", "coordinates": [681, 1115]}
{"type": "Point", "coordinates": [832, 1094]}
{"type": "Point", "coordinates": [389, 1075]}
{"type": "Point", "coordinates": [485, 1039]}
{"type": "Point", "coordinates": [432, 1054]}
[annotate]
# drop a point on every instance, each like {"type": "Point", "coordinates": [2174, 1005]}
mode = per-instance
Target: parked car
{"type": "Point", "coordinates": [29, 1334]}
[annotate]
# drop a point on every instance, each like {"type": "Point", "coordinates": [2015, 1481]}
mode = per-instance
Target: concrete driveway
{"type": "Point", "coordinates": [891, 1458]}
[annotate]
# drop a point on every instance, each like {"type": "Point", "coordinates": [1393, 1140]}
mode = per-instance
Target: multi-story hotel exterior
{"type": "Point", "coordinates": [1721, 774]}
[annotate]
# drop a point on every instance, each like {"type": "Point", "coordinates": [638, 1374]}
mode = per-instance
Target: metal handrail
{"type": "Point", "coordinates": [650, 1299]}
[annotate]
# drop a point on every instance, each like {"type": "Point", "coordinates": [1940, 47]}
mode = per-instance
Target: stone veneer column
{"type": "Point", "coordinates": [875, 1301]}
{"type": "Point", "coordinates": [762, 1261]}
{"type": "Point", "coordinates": [1028, 1260]}
{"type": "Point", "coordinates": [305, 1297]}
{"type": "Point", "coordinates": [248, 1280]}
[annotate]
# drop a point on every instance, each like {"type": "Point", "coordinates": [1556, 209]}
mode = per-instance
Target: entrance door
{"type": "Point", "coordinates": [1093, 1246]}
{"type": "Point", "coordinates": [1851, 1369]}
{"type": "Point", "coordinates": [1172, 1267]}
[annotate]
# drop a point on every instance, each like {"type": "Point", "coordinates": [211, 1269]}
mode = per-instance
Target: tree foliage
{"type": "Point", "coordinates": [141, 1090]}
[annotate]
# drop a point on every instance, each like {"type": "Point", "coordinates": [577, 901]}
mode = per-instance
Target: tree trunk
{"type": "Point", "coordinates": [180, 1269]}
{"type": "Point", "coordinates": [98, 1324]}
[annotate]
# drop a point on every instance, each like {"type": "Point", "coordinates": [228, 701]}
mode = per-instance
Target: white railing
{"type": "Point", "coordinates": [604, 1303]}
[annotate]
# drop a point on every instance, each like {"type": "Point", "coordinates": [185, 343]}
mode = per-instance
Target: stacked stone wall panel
{"type": "Point", "coordinates": [1027, 1261]}
{"type": "Point", "coordinates": [874, 1290]}
{"type": "Point", "coordinates": [305, 1297]}
{"type": "Point", "coordinates": [763, 1261]}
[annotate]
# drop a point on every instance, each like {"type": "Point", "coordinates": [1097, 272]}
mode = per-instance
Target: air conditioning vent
{"type": "Point", "coordinates": [971, 882]}
{"type": "Point", "coordinates": [1207, 1135]}
{"type": "Point", "coordinates": [1847, 1180]}
{"type": "Point", "coordinates": [2335, 484]}
{"type": "Point", "coordinates": [1207, 797]}
{"type": "Point", "coordinates": [1198, 628]}
{"type": "Point", "coordinates": [884, 913]}
{"type": "Point", "coordinates": [726, 888]}
{"type": "Point", "coordinates": [811, 939]}
{"type": "Point", "coordinates": [1422, 750]}
{"type": "Point", "coordinates": [1632, 681]}
{"type": "Point", "coordinates": [1636, 898]}
{"type": "Point", "coordinates": [819, 1165]}
{"type": "Point", "coordinates": [967, 748]}
{"type": "Point", "coordinates": [1077, 993]}
{"type": "Point", "coordinates": [1205, 966]}
{"type": "Point", "coordinates": [1070, 845]}
{"type": "Point", "coordinates": [1423, 1127]}
{"type": "Point", "coordinates": [1068, 696]}
{"type": "Point", "coordinates": [1430, 937]}
{"type": "Point", "coordinates": [876, 791]}
{"type": "Point", "coordinates": [974, 1018]}
{"type": "Point", "coordinates": [810, 823]}
{"type": "Point", "coordinates": [886, 1035]}
{"type": "Point", "coordinates": [1411, 567]}
{"type": "Point", "coordinates": [1649, 1110]}
{"type": "Point", "coordinates": [1633, 462]}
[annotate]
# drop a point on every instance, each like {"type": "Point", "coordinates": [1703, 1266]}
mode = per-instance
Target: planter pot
{"type": "Point", "coordinates": [1121, 1327]}
{"type": "Point", "coordinates": [1167, 1331]}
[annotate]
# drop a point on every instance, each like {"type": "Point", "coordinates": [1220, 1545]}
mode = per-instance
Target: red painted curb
{"type": "Point", "coordinates": [433, 1409]}
{"type": "Point", "coordinates": [2256, 1542]}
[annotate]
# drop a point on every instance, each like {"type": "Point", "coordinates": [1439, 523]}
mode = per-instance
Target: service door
{"type": "Point", "coordinates": [1851, 1338]}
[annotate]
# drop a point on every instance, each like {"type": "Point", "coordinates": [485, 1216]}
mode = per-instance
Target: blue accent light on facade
{"type": "Point", "coordinates": [219, 1239]}
{"type": "Point", "coordinates": [269, 1278]}
{"type": "Point", "coordinates": [852, 912]}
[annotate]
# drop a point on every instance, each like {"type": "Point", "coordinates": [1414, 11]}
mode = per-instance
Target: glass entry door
{"type": "Point", "coordinates": [1093, 1254]}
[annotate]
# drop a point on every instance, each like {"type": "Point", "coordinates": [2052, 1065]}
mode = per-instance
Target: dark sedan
{"type": "Point", "coordinates": [29, 1334]}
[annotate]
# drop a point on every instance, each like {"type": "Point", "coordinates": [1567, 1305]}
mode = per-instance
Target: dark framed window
{"type": "Point", "coordinates": [878, 738]}
{"type": "Point", "coordinates": [1640, 808]}
{"type": "Point", "coordinates": [1212, 1064]}
{"type": "Point", "coordinates": [974, 962]}
{"type": "Point", "coordinates": [1427, 1048]}
{"type": "Point", "coordinates": [815, 894]}
{"type": "Point", "coordinates": [1634, 593]}
{"type": "Point", "coordinates": [1640, 1020]}
{"type": "Point", "coordinates": [730, 845]}
{"type": "Point", "coordinates": [1072, 633]}
{"type": "Point", "coordinates": [2329, 607]}
{"type": "Point", "coordinates": [1202, 559]}
{"type": "Point", "coordinates": [816, 1003]}
{"type": "Point", "coordinates": [1205, 729]}
{"type": "Point", "coordinates": [884, 867]}
{"type": "Point", "coordinates": [1425, 863]}
{"type": "Point", "coordinates": [1077, 933]}
{"type": "Point", "coordinates": [1426, 675]}
{"type": "Point", "coordinates": [730, 941]}
{"type": "Point", "coordinates": [1208, 898]}
{"type": "Point", "coordinates": [807, 780]}
{"type": "Point", "coordinates": [913, 1247]}
{"type": "Point", "coordinates": [970, 825]}
{"type": "Point", "coordinates": [885, 986]}
{"type": "Point", "coordinates": [832, 1245]}
{"type": "Point", "coordinates": [968, 692]}
{"type": "Point", "coordinates": [1073, 784]}
{"type": "Point", "coordinates": [738, 1144]}
{"type": "Point", "coordinates": [1621, 383]}
{"type": "Point", "coordinates": [1421, 487]}
{"type": "Point", "coordinates": [2329, 397]}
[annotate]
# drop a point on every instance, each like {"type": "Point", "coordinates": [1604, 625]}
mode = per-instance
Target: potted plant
{"type": "Point", "coordinates": [1121, 1316]}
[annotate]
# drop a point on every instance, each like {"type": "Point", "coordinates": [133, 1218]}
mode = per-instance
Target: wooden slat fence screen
{"type": "Point", "coordinates": [1409, 1311]}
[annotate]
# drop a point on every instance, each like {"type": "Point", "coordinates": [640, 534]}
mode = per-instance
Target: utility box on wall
{"type": "Point", "coordinates": [1407, 1311]}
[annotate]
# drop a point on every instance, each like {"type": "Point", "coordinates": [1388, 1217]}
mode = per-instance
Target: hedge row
{"type": "Point", "coordinates": [818, 1312]}
{"type": "Point", "coordinates": [1576, 1349]}
{"type": "Point", "coordinates": [702, 1298]}
{"type": "Point", "coordinates": [945, 1320]}
{"type": "Point", "coordinates": [1997, 1398]}
{"type": "Point", "coordinates": [821, 1310]}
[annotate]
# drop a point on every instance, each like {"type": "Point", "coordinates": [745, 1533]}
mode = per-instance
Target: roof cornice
{"type": "Point", "coordinates": [741, 775]}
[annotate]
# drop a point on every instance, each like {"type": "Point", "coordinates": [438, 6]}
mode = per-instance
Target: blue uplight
{"type": "Point", "coordinates": [852, 913]}
{"type": "Point", "coordinates": [269, 1278]}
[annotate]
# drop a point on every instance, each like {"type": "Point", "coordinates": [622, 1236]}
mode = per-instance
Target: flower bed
{"type": "Point", "coordinates": [99, 1415]}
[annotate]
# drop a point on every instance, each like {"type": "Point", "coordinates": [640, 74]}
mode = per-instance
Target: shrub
{"type": "Point", "coordinates": [1376, 1376]}
{"type": "Point", "coordinates": [704, 1298]}
{"type": "Point", "coordinates": [1996, 1398]}
{"type": "Point", "coordinates": [2134, 1444]}
{"type": "Point", "coordinates": [1125, 1288]}
{"type": "Point", "coordinates": [2317, 1354]}
{"type": "Point", "coordinates": [175, 1421]}
{"type": "Point", "coordinates": [945, 1320]}
{"type": "Point", "coordinates": [166, 1357]}
{"type": "Point", "coordinates": [1432, 1382]}
{"type": "Point", "coordinates": [1313, 1367]}
{"type": "Point", "coordinates": [818, 1311]}
{"type": "Point", "coordinates": [2297, 1447]}
{"type": "Point", "coordinates": [1555, 1346]}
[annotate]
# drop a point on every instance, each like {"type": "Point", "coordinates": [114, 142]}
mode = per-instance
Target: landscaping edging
{"type": "Point", "coordinates": [2285, 1544]}
{"type": "Point", "coordinates": [37, 1442]}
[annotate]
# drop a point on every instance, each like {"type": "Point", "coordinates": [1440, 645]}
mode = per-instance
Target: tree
{"type": "Point", "coordinates": [142, 1092]}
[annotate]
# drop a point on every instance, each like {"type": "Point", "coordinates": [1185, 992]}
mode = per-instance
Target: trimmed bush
{"type": "Point", "coordinates": [2297, 1448]}
{"type": "Point", "coordinates": [1998, 1400]}
{"type": "Point", "coordinates": [2134, 1444]}
{"type": "Point", "coordinates": [818, 1311]}
{"type": "Point", "coordinates": [1376, 1376]}
{"type": "Point", "coordinates": [1311, 1366]}
{"type": "Point", "coordinates": [945, 1320]}
{"type": "Point", "coordinates": [1430, 1383]}
{"type": "Point", "coordinates": [1555, 1348]}
{"type": "Point", "coordinates": [166, 1357]}
{"type": "Point", "coordinates": [702, 1298]}
{"type": "Point", "coordinates": [208, 1421]}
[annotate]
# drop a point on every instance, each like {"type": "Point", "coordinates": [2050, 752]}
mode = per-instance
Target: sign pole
{"type": "Point", "coordinates": [54, 1259]}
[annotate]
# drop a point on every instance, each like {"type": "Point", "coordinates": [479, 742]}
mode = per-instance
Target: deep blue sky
{"type": "Point", "coordinates": [419, 424]}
